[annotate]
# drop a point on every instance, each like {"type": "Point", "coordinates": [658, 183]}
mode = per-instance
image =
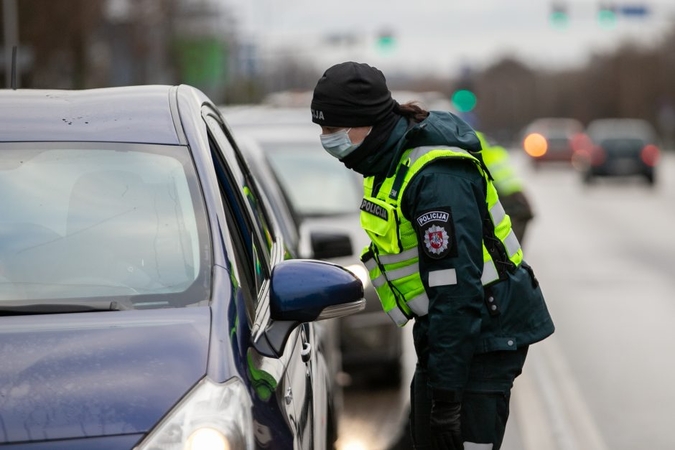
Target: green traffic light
{"type": "Point", "coordinates": [607, 18]}
{"type": "Point", "coordinates": [559, 19]}
{"type": "Point", "coordinates": [386, 43]}
{"type": "Point", "coordinates": [464, 100]}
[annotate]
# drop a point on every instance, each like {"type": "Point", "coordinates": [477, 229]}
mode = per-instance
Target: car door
{"type": "Point", "coordinates": [281, 386]}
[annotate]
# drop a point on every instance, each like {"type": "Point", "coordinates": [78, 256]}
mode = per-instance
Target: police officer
{"type": "Point", "coordinates": [442, 253]}
{"type": "Point", "coordinates": [508, 184]}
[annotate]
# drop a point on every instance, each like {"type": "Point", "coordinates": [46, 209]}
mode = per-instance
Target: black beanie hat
{"type": "Point", "coordinates": [351, 94]}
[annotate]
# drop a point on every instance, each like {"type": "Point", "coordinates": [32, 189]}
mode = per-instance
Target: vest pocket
{"type": "Point", "coordinates": [379, 221]}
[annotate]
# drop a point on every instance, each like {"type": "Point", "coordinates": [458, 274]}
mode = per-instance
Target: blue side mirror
{"type": "Point", "coordinates": [304, 291]}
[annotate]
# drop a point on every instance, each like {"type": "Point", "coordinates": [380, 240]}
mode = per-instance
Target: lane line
{"type": "Point", "coordinates": [531, 418]}
{"type": "Point", "coordinates": [550, 410]}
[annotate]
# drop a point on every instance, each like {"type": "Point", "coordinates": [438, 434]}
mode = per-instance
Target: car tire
{"type": "Point", "coordinates": [332, 430]}
{"type": "Point", "coordinates": [588, 178]}
{"type": "Point", "coordinates": [651, 179]}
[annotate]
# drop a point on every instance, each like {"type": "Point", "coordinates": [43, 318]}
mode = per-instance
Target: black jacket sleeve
{"type": "Point", "coordinates": [447, 337]}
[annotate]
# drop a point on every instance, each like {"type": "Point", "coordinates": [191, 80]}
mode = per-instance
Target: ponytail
{"type": "Point", "coordinates": [412, 111]}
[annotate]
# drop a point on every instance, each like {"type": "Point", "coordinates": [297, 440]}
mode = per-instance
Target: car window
{"type": "Point", "coordinates": [316, 183]}
{"type": "Point", "coordinates": [280, 205]}
{"type": "Point", "coordinates": [85, 221]}
{"type": "Point", "coordinates": [555, 128]}
{"type": "Point", "coordinates": [251, 220]}
{"type": "Point", "coordinates": [612, 129]}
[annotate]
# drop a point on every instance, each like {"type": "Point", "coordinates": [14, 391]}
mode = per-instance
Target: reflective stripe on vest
{"type": "Point", "coordinates": [397, 316]}
{"type": "Point", "coordinates": [394, 268]}
{"type": "Point", "coordinates": [511, 244]}
{"type": "Point", "coordinates": [497, 213]}
{"type": "Point", "coordinates": [474, 446]}
{"type": "Point", "coordinates": [490, 273]}
{"type": "Point", "coordinates": [418, 304]}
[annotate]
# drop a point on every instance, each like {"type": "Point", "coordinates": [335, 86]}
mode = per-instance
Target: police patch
{"type": "Point", "coordinates": [436, 239]}
{"type": "Point", "coordinates": [436, 233]}
{"type": "Point", "coordinates": [431, 216]}
{"type": "Point", "coordinates": [374, 209]}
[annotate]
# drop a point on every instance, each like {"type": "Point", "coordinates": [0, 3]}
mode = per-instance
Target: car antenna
{"type": "Point", "coordinates": [14, 50]}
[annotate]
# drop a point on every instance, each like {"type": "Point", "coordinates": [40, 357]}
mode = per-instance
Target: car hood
{"type": "Point", "coordinates": [97, 374]}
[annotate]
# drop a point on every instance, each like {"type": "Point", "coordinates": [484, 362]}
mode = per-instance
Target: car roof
{"type": "Point", "coordinates": [139, 114]}
{"type": "Point", "coordinates": [282, 125]}
{"type": "Point", "coordinates": [250, 115]}
{"type": "Point", "coordinates": [555, 124]}
{"type": "Point", "coordinates": [621, 128]}
{"type": "Point", "coordinates": [291, 134]}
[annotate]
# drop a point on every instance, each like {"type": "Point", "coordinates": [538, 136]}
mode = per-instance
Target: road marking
{"type": "Point", "coordinates": [550, 410]}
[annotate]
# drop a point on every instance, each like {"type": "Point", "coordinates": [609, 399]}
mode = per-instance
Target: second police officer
{"type": "Point", "coordinates": [443, 254]}
{"type": "Point", "coordinates": [508, 184]}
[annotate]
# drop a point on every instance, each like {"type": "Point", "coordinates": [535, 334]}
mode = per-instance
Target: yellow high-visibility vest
{"type": "Point", "coordinates": [497, 160]}
{"type": "Point", "coordinates": [392, 259]}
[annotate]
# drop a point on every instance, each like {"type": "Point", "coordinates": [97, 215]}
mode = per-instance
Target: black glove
{"type": "Point", "coordinates": [446, 429]}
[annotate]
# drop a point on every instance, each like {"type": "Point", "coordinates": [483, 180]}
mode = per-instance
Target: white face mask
{"type": "Point", "coordinates": [338, 144]}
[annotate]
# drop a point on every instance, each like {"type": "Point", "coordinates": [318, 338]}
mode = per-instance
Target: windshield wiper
{"type": "Point", "coordinates": [61, 308]}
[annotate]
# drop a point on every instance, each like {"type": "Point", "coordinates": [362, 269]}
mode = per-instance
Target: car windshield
{"type": "Point", "coordinates": [316, 183]}
{"type": "Point", "coordinates": [621, 129]}
{"type": "Point", "coordinates": [85, 221]}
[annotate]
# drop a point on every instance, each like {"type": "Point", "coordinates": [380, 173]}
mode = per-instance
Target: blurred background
{"type": "Point", "coordinates": [546, 79]}
{"type": "Point", "coordinates": [513, 61]}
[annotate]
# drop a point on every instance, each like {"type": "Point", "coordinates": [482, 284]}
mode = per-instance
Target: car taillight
{"type": "Point", "coordinates": [581, 143]}
{"type": "Point", "coordinates": [598, 155]}
{"type": "Point", "coordinates": [650, 155]}
{"type": "Point", "coordinates": [535, 145]}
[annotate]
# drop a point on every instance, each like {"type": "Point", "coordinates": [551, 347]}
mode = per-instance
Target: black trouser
{"type": "Point", "coordinates": [485, 403]}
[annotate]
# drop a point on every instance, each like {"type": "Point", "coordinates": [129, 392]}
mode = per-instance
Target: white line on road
{"type": "Point", "coordinates": [550, 410]}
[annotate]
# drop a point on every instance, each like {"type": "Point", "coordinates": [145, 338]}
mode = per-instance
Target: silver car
{"type": "Point", "coordinates": [325, 198]}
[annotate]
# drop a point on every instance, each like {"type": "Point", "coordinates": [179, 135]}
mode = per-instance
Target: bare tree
{"type": "Point", "coordinates": [57, 33]}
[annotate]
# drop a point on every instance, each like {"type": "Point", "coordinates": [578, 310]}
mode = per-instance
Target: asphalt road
{"type": "Point", "coordinates": [605, 256]}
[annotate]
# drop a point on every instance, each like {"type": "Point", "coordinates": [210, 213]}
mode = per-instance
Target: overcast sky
{"type": "Point", "coordinates": [443, 36]}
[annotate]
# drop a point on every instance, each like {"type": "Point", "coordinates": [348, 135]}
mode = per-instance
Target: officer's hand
{"type": "Point", "coordinates": [446, 430]}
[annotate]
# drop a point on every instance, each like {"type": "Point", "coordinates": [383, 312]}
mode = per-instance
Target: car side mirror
{"type": "Point", "coordinates": [330, 244]}
{"type": "Point", "coordinates": [306, 291]}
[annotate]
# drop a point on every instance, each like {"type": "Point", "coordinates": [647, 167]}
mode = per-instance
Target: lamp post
{"type": "Point", "coordinates": [11, 37]}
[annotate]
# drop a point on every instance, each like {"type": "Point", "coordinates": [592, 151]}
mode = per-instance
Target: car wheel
{"type": "Point", "coordinates": [651, 180]}
{"type": "Point", "coordinates": [332, 429]}
{"type": "Point", "coordinates": [588, 178]}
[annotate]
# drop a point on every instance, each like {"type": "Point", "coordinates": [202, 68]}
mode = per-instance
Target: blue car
{"type": "Point", "coordinates": [147, 297]}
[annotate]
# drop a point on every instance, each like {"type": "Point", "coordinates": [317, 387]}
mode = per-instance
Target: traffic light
{"type": "Point", "coordinates": [464, 97]}
{"type": "Point", "coordinates": [386, 41]}
{"type": "Point", "coordinates": [606, 16]}
{"type": "Point", "coordinates": [464, 100]}
{"type": "Point", "coordinates": [558, 15]}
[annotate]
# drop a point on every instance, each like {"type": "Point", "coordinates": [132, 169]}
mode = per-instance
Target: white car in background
{"type": "Point", "coordinates": [325, 198]}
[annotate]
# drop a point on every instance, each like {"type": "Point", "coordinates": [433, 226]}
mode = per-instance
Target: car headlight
{"type": "Point", "coordinates": [361, 272]}
{"type": "Point", "coordinates": [211, 417]}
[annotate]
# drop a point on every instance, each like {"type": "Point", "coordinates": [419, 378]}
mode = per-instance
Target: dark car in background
{"type": "Point", "coordinates": [551, 139]}
{"type": "Point", "coordinates": [619, 148]}
{"type": "Point", "coordinates": [147, 295]}
{"type": "Point", "coordinates": [325, 198]}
